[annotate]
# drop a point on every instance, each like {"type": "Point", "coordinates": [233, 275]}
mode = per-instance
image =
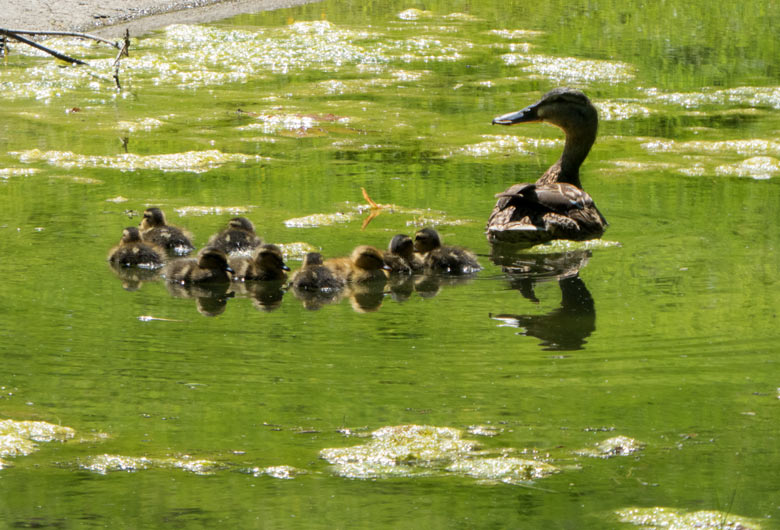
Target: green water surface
{"type": "Point", "coordinates": [664, 333]}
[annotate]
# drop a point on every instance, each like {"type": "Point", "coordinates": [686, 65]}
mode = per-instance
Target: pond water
{"type": "Point", "coordinates": [631, 381]}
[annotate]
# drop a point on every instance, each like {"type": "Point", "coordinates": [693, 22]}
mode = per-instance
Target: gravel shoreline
{"type": "Point", "coordinates": [110, 18]}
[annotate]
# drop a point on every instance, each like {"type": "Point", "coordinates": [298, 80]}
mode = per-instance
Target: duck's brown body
{"type": "Point", "coordinates": [555, 206]}
{"type": "Point", "coordinates": [238, 238]}
{"type": "Point", "coordinates": [210, 267]}
{"type": "Point", "coordinates": [155, 230]}
{"type": "Point", "coordinates": [444, 259]}
{"type": "Point", "coordinates": [266, 264]}
{"type": "Point", "coordinates": [365, 264]}
{"type": "Point", "coordinates": [400, 256]}
{"type": "Point", "coordinates": [133, 252]}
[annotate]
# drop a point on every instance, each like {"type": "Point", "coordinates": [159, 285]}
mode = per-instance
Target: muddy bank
{"type": "Point", "coordinates": [110, 18]}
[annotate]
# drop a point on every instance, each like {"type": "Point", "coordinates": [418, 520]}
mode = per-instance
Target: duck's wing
{"type": "Point", "coordinates": [535, 213]}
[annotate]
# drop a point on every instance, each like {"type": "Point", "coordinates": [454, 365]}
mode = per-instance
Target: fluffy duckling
{"type": "Point", "coordinates": [211, 266]}
{"type": "Point", "coordinates": [155, 230]}
{"type": "Point", "coordinates": [267, 264]}
{"type": "Point", "coordinates": [132, 252]}
{"type": "Point", "coordinates": [365, 264]}
{"type": "Point", "coordinates": [238, 238]}
{"type": "Point", "coordinates": [443, 258]}
{"type": "Point", "coordinates": [314, 276]}
{"type": "Point", "coordinates": [400, 256]}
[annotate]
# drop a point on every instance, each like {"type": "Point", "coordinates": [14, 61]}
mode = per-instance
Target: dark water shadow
{"type": "Point", "coordinates": [565, 328]}
{"type": "Point", "coordinates": [133, 278]}
{"type": "Point", "coordinates": [211, 300]}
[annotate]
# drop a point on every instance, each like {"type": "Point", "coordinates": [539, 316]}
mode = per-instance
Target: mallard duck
{"type": "Point", "coordinates": [266, 264]}
{"type": "Point", "coordinates": [155, 230]}
{"type": "Point", "coordinates": [400, 256]}
{"type": "Point", "coordinates": [365, 264]}
{"type": "Point", "coordinates": [443, 258]}
{"type": "Point", "coordinates": [211, 266]}
{"type": "Point", "coordinates": [314, 276]}
{"type": "Point", "coordinates": [132, 252]}
{"type": "Point", "coordinates": [555, 206]}
{"type": "Point", "coordinates": [238, 238]}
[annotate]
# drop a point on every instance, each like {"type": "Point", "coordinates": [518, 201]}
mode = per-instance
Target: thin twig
{"type": "Point", "coordinates": [63, 34]}
{"type": "Point", "coordinates": [55, 53]}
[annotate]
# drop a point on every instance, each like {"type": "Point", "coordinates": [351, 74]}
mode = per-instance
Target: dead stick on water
{"type": "Point", "coordinates": [55, 53]}
{"type": "Point", "coordinates": [116, 45]}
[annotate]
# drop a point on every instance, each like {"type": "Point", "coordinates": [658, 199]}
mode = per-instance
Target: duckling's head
{"type": "Point", "coordinates": [426, 240]}
{"type": "Point", "coordinates": [152, 217]}
{"type": "Point", "coordinates": [567, 108]}
{"type": "Point", "coordinates": [241, 223]}
{"type": "Point", "coordinates": [213, 259]}
{"type": "Point", "coordinates": [368, 258]}
{"type": "Point", "coordinates": [402, 245]}
{"type": "Point", "coordinates": [270, 257]}
{"type": "Point", "coordinates": [311, 259]}
{"type": "Point", "coordinates": [131, 234]}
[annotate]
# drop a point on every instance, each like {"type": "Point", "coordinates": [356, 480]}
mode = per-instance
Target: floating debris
{"type": "Point", "coordinates": [617, 446]}
{"type": "Point", "coordinates": [752, 147]}
{"type": "Point", "coordinates": [106, 463]}
{"type": "Point", "coordinates": [619, 110]}
{"type": "Point", "coordinates": [484, 430]}
{"type": "Point", "coordinates": [320, 219]}
{"type": "Point", "coordinates": [8, 172]}
{"type": "Point", "coordinates": [675, 519]}
{"type": "Point", "coordinates": [515, 33]}
{"type": "Point", "coordinates": [78, 180]}
{"type": "Point", "coordinates": [212, 210]}
{"type": "Point", "coordinates": [296, 250]}
{"type": "Point", "coordinates": [146, 124]}
{"type": "Point", "coordinates": [190, 161]}
{"type": "Point", "coordinates": [506, 144]}
{"type": "Point", "coordinates": [508, 470]}
{"type": "Point", "coordinates": [749, 96]}
{"type": "Point", "coordinates": [149, 318]}
{"type": "Point", "coordinates": [414, 14]}
{"type": "Point", "coordinates": [117, 199]}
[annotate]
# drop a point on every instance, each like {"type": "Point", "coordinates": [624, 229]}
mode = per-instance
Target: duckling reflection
{"type": "Point", "coordinates": [211, 298]}
{"type": "Point", "coordinates": [266, 264]}
{"type": "Point", "coordinates": [443, 259]}
{"type": "Point", "coordinates": [211, 266]}
{"type": "Point", "coordinates": [566, 327]}
{"type": "Point", "coordinates": [314, 284]}
{"type": "Point", "coordinates": [155, 230]}
{"type": "Point", "coordinates": [133, 252]}
{"type": "Point", "coordinates": [266, 295]}
{"type": "Point", "coordinates": [238, 238]}
{"type": "Point", "coordinates": [133, 278]}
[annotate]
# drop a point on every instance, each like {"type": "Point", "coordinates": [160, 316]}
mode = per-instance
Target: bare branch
{"type": "Point", "coordinates": [55, 53]}
{"type": "Point", "coordinates": [116, 45]}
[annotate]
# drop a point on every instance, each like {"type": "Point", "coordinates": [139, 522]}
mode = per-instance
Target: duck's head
{"type": "Point", "coordinates": [567, 108]}
{"type": "Point", "coordinates": [152, 217]}
{"type": "Point", "coordinates": [131, 234]}
{"type": "Point", "coordinates": [241, 223]}
{"type": "Point", "coordinates": [270, 257]}
{"type": "Point", "coordinates": [213, 259]}
{"type": "Point", "coordinates": [312, 259]}
{"type": "Point", "coordinates": [368, 258]}
{"type": "Point", "coordinates": [402, 245]}
{"type": "Point", "coordinates": [426, 240]}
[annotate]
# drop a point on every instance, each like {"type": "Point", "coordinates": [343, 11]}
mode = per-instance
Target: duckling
{"type": "Point", "coordinates": [155, 230]}
{"type": "Point", "coordinates": [238, 238]}
{"type": "Point", "coordinates": [314, 276]}
{"type": "Point", "coordinates": [555, 206]}
{"type": "Point", "coordinates": [211, 266]}
{"type": "Point", "coordinates": [132, 252]}
{"type": "Point", "coordinates": [365, 264]}
{"type": "Point", "coordinates": [400, 256]}
{"type": "Point", "coordinates": [443, 259]}
{"type": "Point", "coordinates": [267, 264]}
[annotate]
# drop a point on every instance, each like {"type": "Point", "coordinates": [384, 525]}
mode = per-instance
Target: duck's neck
{"type": "Point", "coordinates": [575, 149]}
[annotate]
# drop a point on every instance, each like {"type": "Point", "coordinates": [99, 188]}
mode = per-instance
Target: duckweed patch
{"type": "Point", "coordinates": [280, 472]}
{"type": "Point", "coordinates": [757, 167]}
{"type": "Point", "coordinates": [675, 519]}
{"type": "Point", "coordinates": [507, 145]}
{"type": "Point", "coordinates": [747, 96]}
{"type": "Point", "coordinates": [189, 162]}
{"type": "Point", "coordinates": [424, 450]}
{"type": "Point", "coordinates": [18, 438]}
{"type": "Point", "coordinates": [617, 446]}
{"type": "Point", "coordinates": [571, 70]}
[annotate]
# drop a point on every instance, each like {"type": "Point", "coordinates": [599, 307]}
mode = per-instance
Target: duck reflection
{"type": "Point", "coordinates": [133, 278]}
{"type": "Point", "coordinates": [211, 299]}
{"type": "Point", "coordinates": [266, 295]}
{"type": "Point", "coordinates": [566, 327]}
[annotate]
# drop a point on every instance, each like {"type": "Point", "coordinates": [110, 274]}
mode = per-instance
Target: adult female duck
{"type": "Point", "coordinates": [555, 206]}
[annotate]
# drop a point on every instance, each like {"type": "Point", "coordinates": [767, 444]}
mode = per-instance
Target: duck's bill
{"type": "Point", "coordinates": [527, 115]}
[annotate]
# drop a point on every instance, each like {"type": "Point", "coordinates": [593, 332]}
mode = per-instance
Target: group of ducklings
{"type": "Point", "coordinates": [238, 254]}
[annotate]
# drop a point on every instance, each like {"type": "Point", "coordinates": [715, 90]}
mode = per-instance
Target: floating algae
{"type": "Point", "coordinates": [424, 450]}
{"type": "Point", "coordinates": [617, 446]}
{"type": "Point", "coordinates": [673, 519]}
{"type": "Point", "coordinates": [107, 463]}
{"type": "Point", "coordinates": [280, 472]}
{"type": "Point", "coordinates": [18, 438]}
